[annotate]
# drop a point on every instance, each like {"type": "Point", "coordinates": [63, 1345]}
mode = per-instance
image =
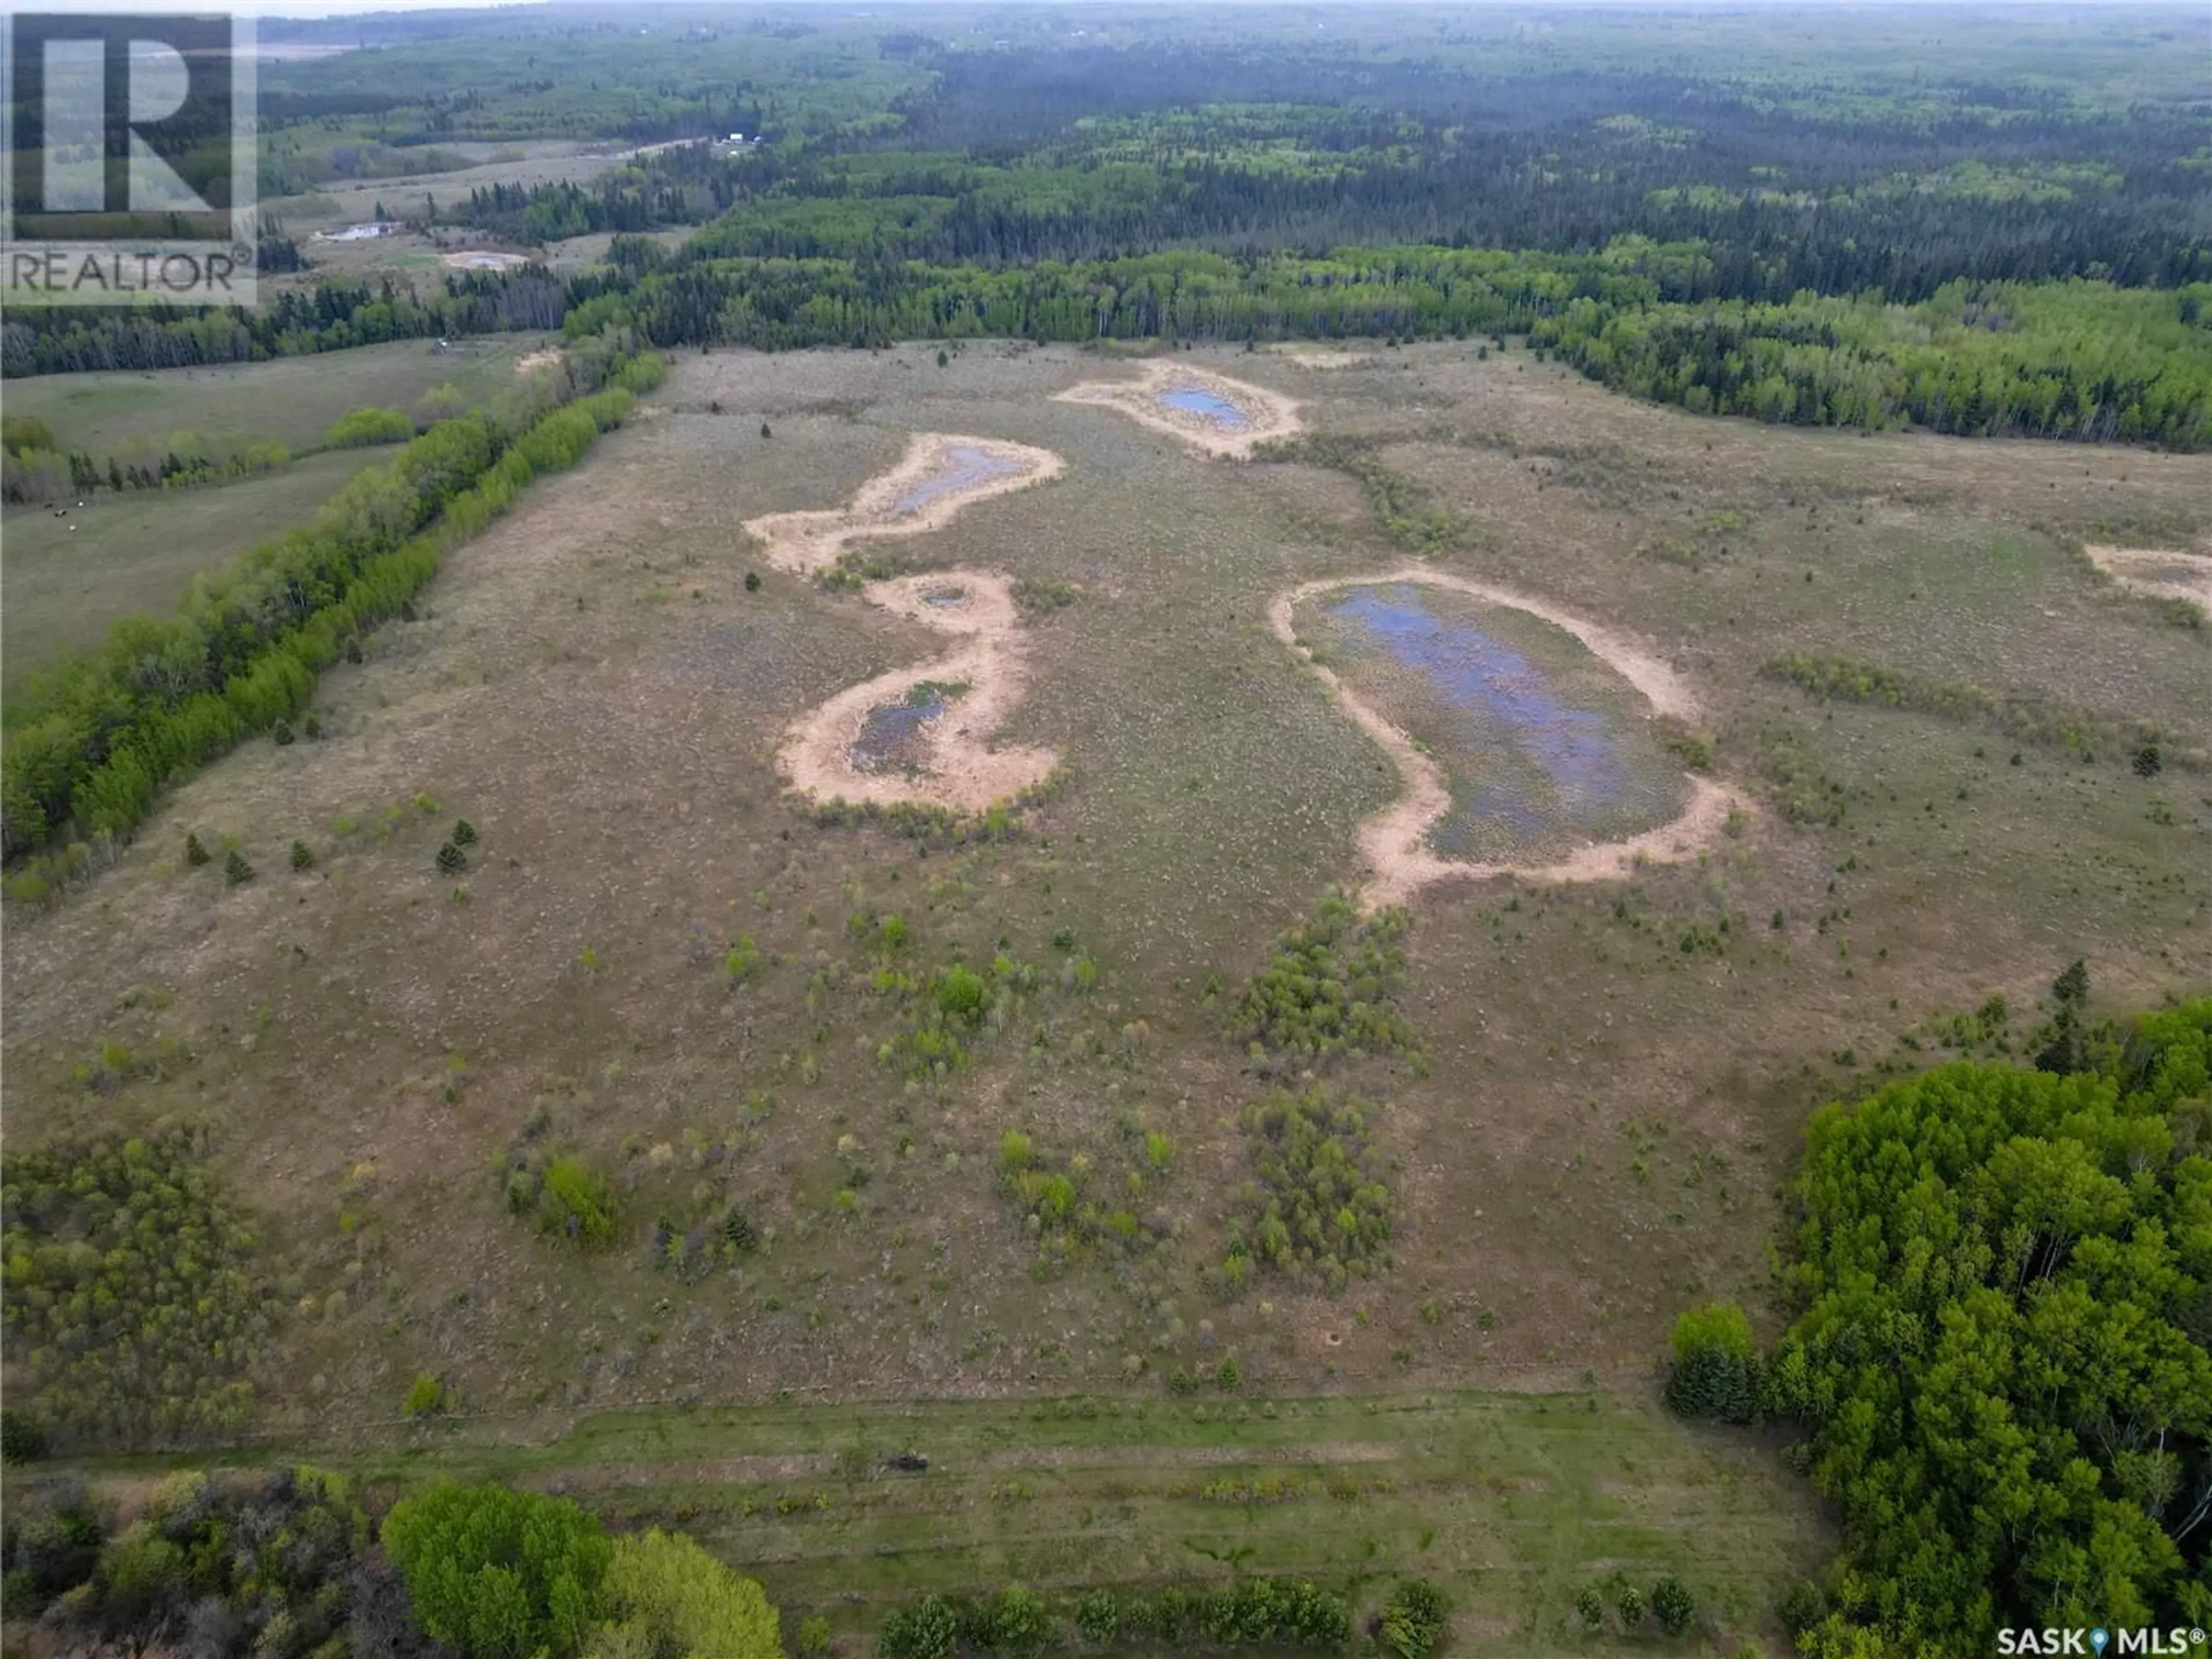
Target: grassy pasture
{"type": "Point", "coordinates": [1510, 1502]}
{"type": "Point", "coordinates": [63, 582]}
{"type": "Point", "coordinates": [1616, 1075]}
{"type": "Point", "coordinates": [289, 400]}
{"type": "Point", "coordinates": [66, 580]}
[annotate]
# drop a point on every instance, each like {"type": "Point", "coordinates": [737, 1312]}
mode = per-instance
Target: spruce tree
{"type": "Point", "coordinates": [194, 852]}
{"type": "Point", "coordinates": [235, 869]}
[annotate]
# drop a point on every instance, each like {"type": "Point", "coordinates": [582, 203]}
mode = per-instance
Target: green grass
{"type": "Point", "coordinates": [63, 582]}
{"type": "Point", "coordinates": [1510, 1501]}
{"type": "Point", "coordinates": [290, 401]}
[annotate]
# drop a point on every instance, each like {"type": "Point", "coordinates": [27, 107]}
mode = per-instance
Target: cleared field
{"type": "Point", "coordinates": [290, 400]}
{"type": "Point", "coordinates": [660, 964]}
{"type": "Point", "coordinates": [65, 581]}
{"type": "Point", "coordinates": [1511, 1502]}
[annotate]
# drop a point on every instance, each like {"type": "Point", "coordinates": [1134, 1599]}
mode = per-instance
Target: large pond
{"type": "Point", "coordinates": [1209, 405]}
{"type": "Point", "coordinates": [963, 467]}
{"type": "Point", "coordinates": [1541, 744]}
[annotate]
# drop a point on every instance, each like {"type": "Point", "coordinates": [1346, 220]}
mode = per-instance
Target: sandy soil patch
{"type": "Point", "coordinates": [547, 357]}
{"type": "Point", "coordinates": [963, 768]}
{"type": "Point", "coordinates": [1324, 357]}
{"type": "Point", "coordinates": [481, 259]}
{"type": "Point", "coordinates": [1393, 844]}
{"type": "Point", "coordinates": [808, 541]}
{"type": "Point", "coordinates": [1267, 414]}
{"type": "Point", "coordinates": [2160, 572]}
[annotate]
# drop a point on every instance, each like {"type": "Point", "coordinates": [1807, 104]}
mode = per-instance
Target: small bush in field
{"type": "Point", "coordinates": [577, 1203]}
{"type": "Point", "coordinates": [235, 869]}
{"type": "Point", "coordinates": [303, 856]}
{"type": "Point", "coordinates": [465, 833]}
{"type": "Point", "coordinates": [1673, 1605]}
{"type": "Point", "coordinates": [450, 860]}
{"type": "Point", "coordinates": [1098, 1617]}
{"type": "Point", "coordinates": [427, 1398]}
{"type": "Point", "coordinates": [1414, 1619]}
{"type": "Point", "coordinates": [195, 854]}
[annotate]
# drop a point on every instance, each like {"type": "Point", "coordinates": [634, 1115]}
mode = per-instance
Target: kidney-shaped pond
{"type": "Point", "coordinates": [1544, 747]}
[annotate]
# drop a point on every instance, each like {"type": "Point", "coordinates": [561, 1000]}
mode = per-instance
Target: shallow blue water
{"type": "Point", "coordinates": [962, 466]}
{"type": "Point", "coordinates": [1498, 697]}
{"type": "Point", "coordinates": [1197, 400]}
{"type": "Point", "coordinates": [891, 738]}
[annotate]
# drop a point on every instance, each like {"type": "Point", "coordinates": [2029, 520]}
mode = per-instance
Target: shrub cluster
{"type": "Point", "coordinates": [1073, 1207]}
{"type": "Point", "coordinates": [1330, 989]}
{"type": "Point", "coordinates": [1319, 1204]}
{"type": "Point", "coordinates": [570, 1199]}
{"type": "Point", "coordinates": [261, 1562]}
{"type": "Point", "coordinates": [944, 1008]}
{"type": "Point", "coordinates": [2029, 718]}
{"type": "Point", "coordinates": [359, 429]}
{"type": "Point", "coordinates": [939, 826]}
{"type": "Point", "coordinates": [1262, 1613]}
{"type": "Point", "coordinates": [1413, 1621]}
{"type": "Point", "coordinates": [133, 1311]}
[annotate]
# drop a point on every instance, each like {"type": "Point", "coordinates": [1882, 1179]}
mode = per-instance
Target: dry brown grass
{"type": "Point", "coordinates": [1606, 1116]}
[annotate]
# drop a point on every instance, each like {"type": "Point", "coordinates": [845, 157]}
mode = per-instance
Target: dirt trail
{"type": "Point", "coordinates": [2160, 572]}
{"type": "Point", "coordinates": [1393, 844]}
{"type": "Point", "coordinates": [963, 770]}
{"type": "Point", "coordinates": [1267, 414]}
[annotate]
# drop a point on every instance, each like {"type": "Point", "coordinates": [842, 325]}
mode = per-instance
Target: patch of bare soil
{"type": "Point", "coordinates": [1323, 357]}
{"type": "Point", "coordinates": [1267, 414]}
{"type": "Point", "coordinates": [483, 260]}
{"type": "Point", "coordinates": [2158, 573]}
{"type": "Point", "coordinates": [1394, 843]}
{"type": "Point", "coordinates": [963, 768]}
{"type": "Point", "coordinates": [549, 357]}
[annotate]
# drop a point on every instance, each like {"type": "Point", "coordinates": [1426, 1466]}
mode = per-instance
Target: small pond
{"type": "Point", "coordinates": [963, 467]}
{"type": "Point", "coordinates": [895, 736]}
{"type": "Point", "coordinates": [1211, 406]}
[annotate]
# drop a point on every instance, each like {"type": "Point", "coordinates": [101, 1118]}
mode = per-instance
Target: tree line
{"type": "Point", "coordinates": [92, 742]}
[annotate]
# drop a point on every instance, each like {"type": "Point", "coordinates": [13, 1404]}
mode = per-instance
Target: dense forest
{"type": "Point", "coordinates": [2014, 241]}
{"type": "Point", "coordinates": [2002, 1360]}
